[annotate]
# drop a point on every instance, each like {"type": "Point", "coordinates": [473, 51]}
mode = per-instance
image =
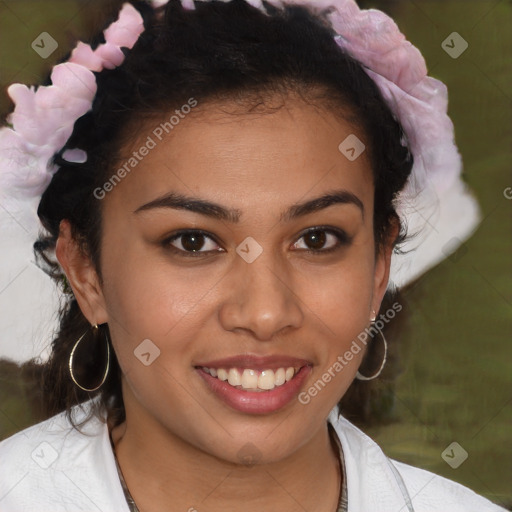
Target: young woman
{"type": "Point", "coordinates": [221, 201]}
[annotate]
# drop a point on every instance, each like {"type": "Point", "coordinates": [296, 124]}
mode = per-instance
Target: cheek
{"type": "Point", "coordinates": [151, 299]}
{"type": "Point", "coordinates": [341, 294]}
{"type": "Point", "coordinates": [146, 292]}
{"type": "Point", "coordinates": [149, 296]}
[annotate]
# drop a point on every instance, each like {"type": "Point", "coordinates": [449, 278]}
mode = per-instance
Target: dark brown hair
{"type": "Point", "coordinates": [218, 51]}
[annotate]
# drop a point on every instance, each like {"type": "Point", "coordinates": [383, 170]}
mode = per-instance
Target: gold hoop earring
{"type": "Point", "coordinates": [359, 376]}
{"type": "Point", "coordinates": [96, 329]}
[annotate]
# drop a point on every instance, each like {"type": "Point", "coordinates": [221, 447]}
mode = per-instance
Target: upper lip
{"type": "Point", "coordinates": [256, 362]}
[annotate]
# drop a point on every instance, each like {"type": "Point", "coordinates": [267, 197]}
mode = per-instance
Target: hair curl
{"type": "Point", "coordinates": [220, 51]}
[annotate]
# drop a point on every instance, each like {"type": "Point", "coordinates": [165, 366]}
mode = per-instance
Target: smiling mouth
{"type": "Point", "coordinates": [248, 379]}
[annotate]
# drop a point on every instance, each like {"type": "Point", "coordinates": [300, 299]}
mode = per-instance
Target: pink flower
{"type": "Point", "coordinates": [42, 122]}
{"type": "Point", "coordinates": [54, 107]}
{"type": "Point", "coordinates": [122, 33]}
{"type": "Point", "coordinates": [126, 30]}
{"type": "Point", "coordinates": [374, 39]}
{"type": "Point", "coordinates": [418, 101]}
{"type": "Point", "coordinates": [23, 166]}
{"type": "Point", "coordinates": [44, 118]}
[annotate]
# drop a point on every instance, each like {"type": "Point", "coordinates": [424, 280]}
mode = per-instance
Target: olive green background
{"type": "Point", "coordinates": [457, 351]}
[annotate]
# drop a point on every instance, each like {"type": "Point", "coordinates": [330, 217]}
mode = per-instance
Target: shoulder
{"type": "Point", "coordinates": [431, 492]}
{"type": "Point", "coordinates": [53, 427]}
{"type": "Point", "coordinates": [374, 481]}
{"type": "Point", "coordinates": [46, 441]}
{"type": "Point", "coordinates": [53, 466]}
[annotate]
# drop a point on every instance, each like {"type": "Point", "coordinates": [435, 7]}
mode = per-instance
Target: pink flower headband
{"type": "Point", "coordinates": [43, 121]}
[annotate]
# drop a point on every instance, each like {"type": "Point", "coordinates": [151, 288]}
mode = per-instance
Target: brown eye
{"type": "Point", "coordinates": [191, 243]}
{"type": "Point", "coordinates": [316, 239]}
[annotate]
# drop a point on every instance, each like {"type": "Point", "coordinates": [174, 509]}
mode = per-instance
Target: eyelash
{"type": "Point", "coordinates": [343, 241]}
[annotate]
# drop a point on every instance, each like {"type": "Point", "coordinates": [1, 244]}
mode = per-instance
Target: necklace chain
{"type": "Point", "coordinates": [342, 501]}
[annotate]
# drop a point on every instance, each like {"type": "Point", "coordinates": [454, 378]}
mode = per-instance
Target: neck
{"type": "Point", "coordinates": [191, 479]}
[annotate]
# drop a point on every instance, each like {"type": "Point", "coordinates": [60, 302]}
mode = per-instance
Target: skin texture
{"type": "Point", "coordinates": [202, 308]}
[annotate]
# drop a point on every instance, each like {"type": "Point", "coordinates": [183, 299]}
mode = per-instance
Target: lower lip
{"type": "Point", "coordinates": [254, 402]}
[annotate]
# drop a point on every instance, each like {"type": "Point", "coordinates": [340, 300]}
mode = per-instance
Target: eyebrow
{"type": "Point", "coordinates": [216, 211]}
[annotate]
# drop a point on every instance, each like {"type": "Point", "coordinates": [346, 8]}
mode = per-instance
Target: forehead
{"type": "Point", "coordinates": [223, 153]}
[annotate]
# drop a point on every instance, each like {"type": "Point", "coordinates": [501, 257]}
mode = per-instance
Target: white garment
{"type": "Point", "coordinates": [52, 467]}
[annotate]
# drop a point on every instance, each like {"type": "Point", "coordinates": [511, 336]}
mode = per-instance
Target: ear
{"type": "Point", "coordinates": [382, 266]}
{"type": "Point", "coordinates": [81, 275]}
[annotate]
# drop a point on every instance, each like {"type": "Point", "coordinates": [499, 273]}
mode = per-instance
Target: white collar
{"type": "Point", "coordinates": [51, 466]}
{"type": "Point", "coordinates": [52, 455]}
{"type": "Point", "coordinates": [372, 481]}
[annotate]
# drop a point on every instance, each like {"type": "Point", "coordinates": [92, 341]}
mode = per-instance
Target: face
{"type": "Point", "coordinates": [262, 275]}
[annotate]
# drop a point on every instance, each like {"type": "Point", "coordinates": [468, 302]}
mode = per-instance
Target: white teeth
{"type": "Point", "coordinates": [249, 379]}
{"type": "Point", "coordinates": [253, 379]}
{"type": "Point", "coordinates": [234, 377]}
{"type": "Point", "coordinates": [280, 376]}
{"type": "Point", "coordinates": [267, 380]}
{"type": "Point", "coordinates": [221, 374]}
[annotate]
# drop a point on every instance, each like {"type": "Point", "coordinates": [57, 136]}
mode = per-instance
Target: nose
{"type": "Point", "coordinates": [261, 300]}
